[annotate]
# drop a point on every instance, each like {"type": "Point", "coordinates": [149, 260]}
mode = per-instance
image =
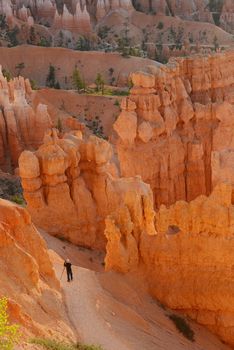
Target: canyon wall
{"type": "Point", "coordinates": [27, 277]}
{"type": "Point", "coordinates": [21, 126]}
{"type": "Point", "coordinates": [71, 184]}
{"type": "Point", "coordinates": [188, 265]}
{"type": "Point", "coordinates": [179, 127]}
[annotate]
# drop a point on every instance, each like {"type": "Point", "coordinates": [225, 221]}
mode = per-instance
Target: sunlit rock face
{"type": "Point", "coordinates": [180, 118]}
{"type": "Point", "coordinates": [18, 121]}
{"type": "Point", "coordinates": [27, 277]}
{"type": "Point", "coordinates": [188, 265]}
{"type": "Point", "coordinates": [71, 185]}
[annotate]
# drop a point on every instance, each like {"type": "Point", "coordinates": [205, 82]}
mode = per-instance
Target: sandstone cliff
{"type": "Point", "coordinates": [189, 264]}
{"type": "Point", "coordinates": [179, 127]}
{"type": "Point", "coordinates": [21, 127]}
{"type": "Point", "coordinates": [71, 184]}
{"type": "Point", "coordinates": [27, 277]}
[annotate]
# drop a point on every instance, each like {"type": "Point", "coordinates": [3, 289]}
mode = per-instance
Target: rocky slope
{"type": "Point", "coordinates": [27, 276]}
{"type": "Point", "coordinates": [179, 134]}
{"type": "Point", "coordinates": [84, 61]}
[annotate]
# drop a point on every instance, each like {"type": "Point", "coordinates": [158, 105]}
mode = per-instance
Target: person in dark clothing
{"type": "Point", "coordinates": [68, 266]}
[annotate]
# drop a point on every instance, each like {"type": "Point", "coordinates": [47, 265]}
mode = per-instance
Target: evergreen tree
{"type": "Point", "coordinates": [50, 80]}
{"type": "Point", "coordinates": [83, 44]}
{"type": "Point", "coordinates": [77, 80]}
{"type": "Point", "coordinates": [100, 83]}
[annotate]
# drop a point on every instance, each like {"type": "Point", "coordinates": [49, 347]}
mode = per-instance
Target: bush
{"type": "Point", "coordinates": [96, 127]}
{"type": "Point", "coordinates": [182, 326]}
{"type": "Point", "coordinates": [160, 25]}
{"type": "Point", "coordinates": [9, 334]}
{"type": "Point", "coordinates": [18, 199]}
{"type": "Point", "coordinates": [44, 42]}
{"type": "Point", "coordinates": [103, 32]}
{"type": "Point", "coordinates": [12, 36]}
{"type": "Point", "coordinates": [33, 84]}
{"type": "Point", "coordinates": [51, 344]}
{"type": "Point", "coordinates": [7, 74]}
{"type": "Point", "coordinates": [83, 44]}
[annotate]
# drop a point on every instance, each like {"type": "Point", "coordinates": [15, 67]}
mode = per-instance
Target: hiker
{"type": "Point", "coordinates": [68, 266]}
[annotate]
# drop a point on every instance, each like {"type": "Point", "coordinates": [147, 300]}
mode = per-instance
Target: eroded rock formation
{"type": "Point", "coordinates": [79, 22]}
{"type": "Point", "coordinates": [21, 127]}
{"type": "Point", "coordinates": [179, 127]}
{"type": "Point", "coordinates": [227, 16]}
{"type": "Point", "coordinates": [71, 184]}
{"type": "Point", "coordinates": [189, 263]}
{"type": "Point", "coordinates": [27, 277]}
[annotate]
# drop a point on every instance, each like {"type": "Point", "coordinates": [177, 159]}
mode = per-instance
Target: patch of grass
{"type": "Point", "coordinates": [182, 326]}
{"type": "Point", "coordinates": [107, 92]}
{"type": "Point", "coordinates": [50, 344]}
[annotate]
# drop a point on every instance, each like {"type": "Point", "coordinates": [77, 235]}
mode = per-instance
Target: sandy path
{"type": "Point", "coordinates": [82, 297]}
{"type": "Point", "coordinates": [113, 311]}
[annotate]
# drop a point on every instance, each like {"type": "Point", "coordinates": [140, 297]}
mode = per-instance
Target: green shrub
{"type": "Point", "coordinates": [83, 44]}
{"type": "Point", "coordinates": [12, 36]}
{"type": "Point", "coordinates": [103, 32]}
{"type": "Point", "coordinates": [7, 74]}
{"type": "Point", "coordinates": [33, 84]}
{"type": "Point", "coordinates": [77, 80]}
{"type": "Point", "coordinates": [51, 344]}
{"type": "Point", "coordinates": [182, 326]}
{"type": "Point", "coordinates": [160, 25]}
{"type": "Point", "coordinates": [18, 199]}
{"type": "Point", "coordinates": [9, 334]}
{"type": "Point", "coordinates": [100, 83]}
{"type": "Point", "coordinates": [44, 42]}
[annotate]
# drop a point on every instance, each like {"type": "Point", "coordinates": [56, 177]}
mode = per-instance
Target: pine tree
{"type": "Point", "coordinates": [77, 81]}
{"type": "Point", "coordinates": [100, 83]}
{"type": "Point", "coordinates": [50, 80]}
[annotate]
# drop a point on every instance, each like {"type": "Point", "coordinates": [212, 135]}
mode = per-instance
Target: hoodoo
{"type": "Point", "coordinates": [116, 174]}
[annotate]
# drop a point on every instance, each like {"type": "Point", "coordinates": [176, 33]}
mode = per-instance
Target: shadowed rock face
{"type": "Point", "coordinates": [181, 127]}
{"type": "Point", "coordinates": [71, 184]}
{"type": "Point", "coordinates": [19, 121]}
{"type": "Point", "coordinates": [27, 277]}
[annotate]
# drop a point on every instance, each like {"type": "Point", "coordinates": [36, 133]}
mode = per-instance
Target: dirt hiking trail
{"type": "Point", "coordinates": [113, 310]}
